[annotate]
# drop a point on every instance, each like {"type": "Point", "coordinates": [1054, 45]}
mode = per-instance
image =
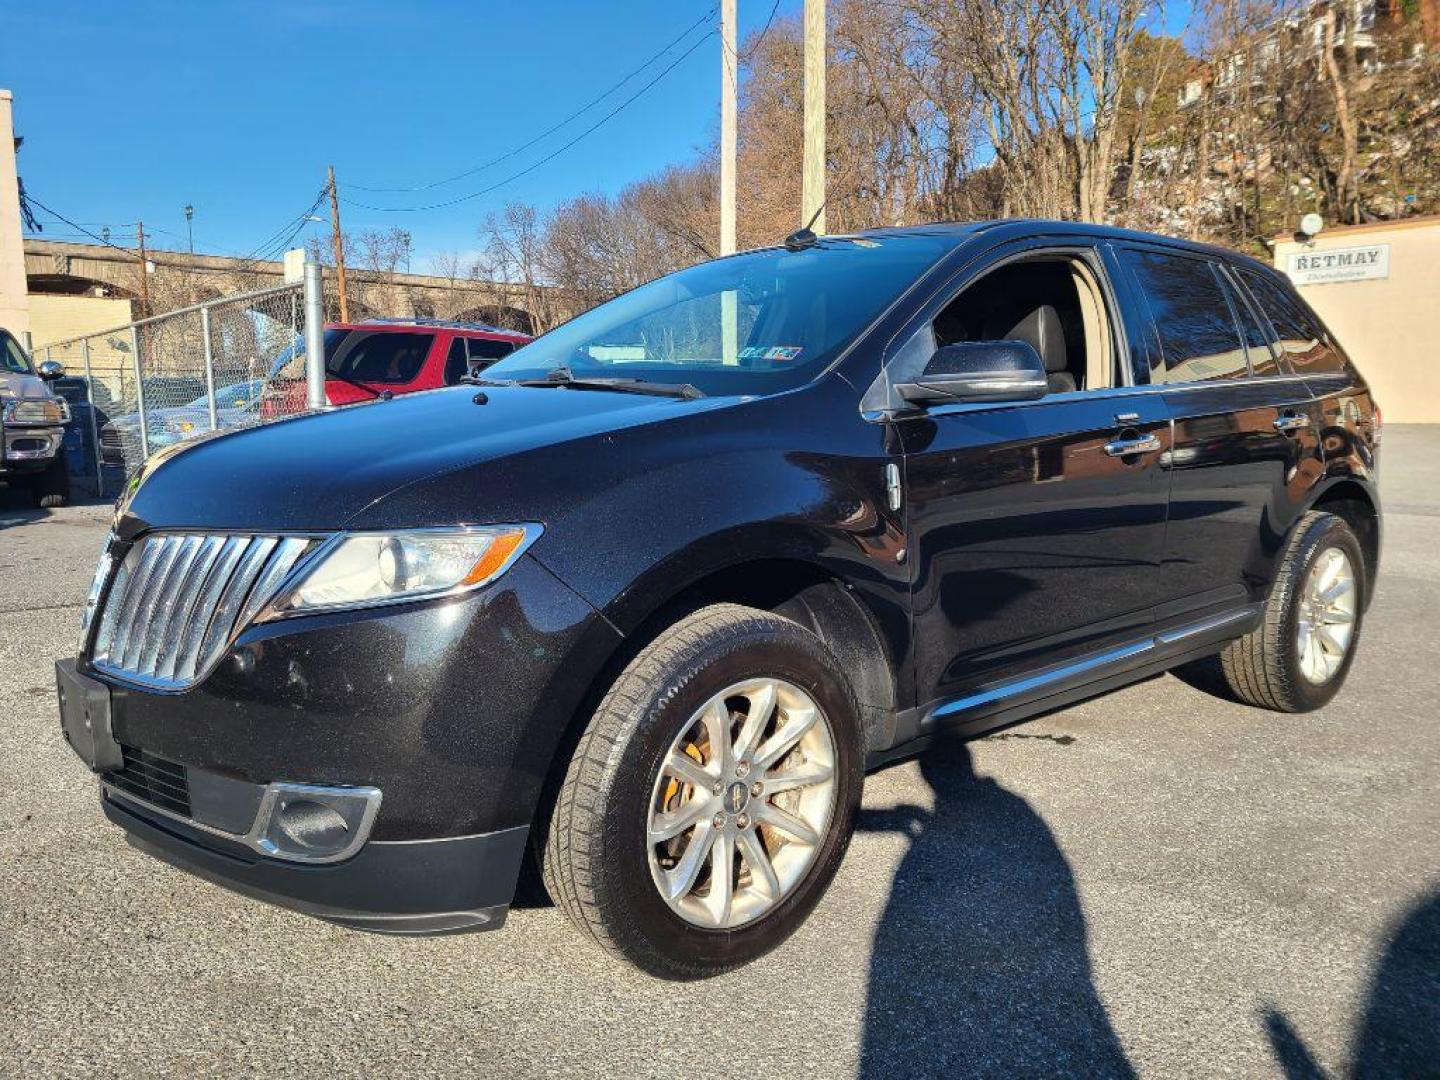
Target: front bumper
{"type": "Point", "coordinates": [452, 709]}
{"type": "Point", "coordinates": [445, 886]}
{"type": "Point", "coordinates": [30, 449]}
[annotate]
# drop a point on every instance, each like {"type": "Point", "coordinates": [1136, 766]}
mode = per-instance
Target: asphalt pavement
{"type": "Point", "coordinates": [1154, 882]}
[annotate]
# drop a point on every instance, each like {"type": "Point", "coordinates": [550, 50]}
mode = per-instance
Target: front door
{"type": "Point", "coordinates": [1035, 528]}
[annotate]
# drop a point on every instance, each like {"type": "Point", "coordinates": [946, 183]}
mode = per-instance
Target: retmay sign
{"type": "Point", "coordinates": [1339, 264]}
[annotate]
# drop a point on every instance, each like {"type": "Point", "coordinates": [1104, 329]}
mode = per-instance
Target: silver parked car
{"type": "Point", "coordinates": [236, 405]}
{"type": "Point", "coordinates": [32, 425]}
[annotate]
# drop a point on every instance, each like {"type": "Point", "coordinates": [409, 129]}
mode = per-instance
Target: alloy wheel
{"type": "Point", "coordinates": [1326, 620]}
{"type": "Point", "coordinates": [742, 803]}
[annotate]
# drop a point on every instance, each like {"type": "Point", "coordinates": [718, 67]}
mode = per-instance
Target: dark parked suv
{"type": "Point", "coordinates": [649, 598]}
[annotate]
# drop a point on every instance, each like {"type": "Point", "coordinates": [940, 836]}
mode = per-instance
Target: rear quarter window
{"type": "Point", "coordinates": [1301, 338]}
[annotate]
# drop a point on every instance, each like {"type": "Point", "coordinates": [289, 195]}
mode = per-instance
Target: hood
{"type": "Point", "coordinates": [316, 472]}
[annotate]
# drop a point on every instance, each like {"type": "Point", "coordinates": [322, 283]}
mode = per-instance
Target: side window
{"type": "Point", "coordinates": [484, 352]}
{"type": "Point", "coordinates": [1302, 338]}
{"type": "Point", "coordinates": [1197, 336]}
{"type": "Point", "coordinates": [12, 357]}
{"type": "Point", "coordinates": [1257, 340]}
{"type": "Point", "coordinates": [381, 358]}
{"type": "Point", "coordinates": [1054, 303]}
{"type": "Point", "coordinates": [457, 363]}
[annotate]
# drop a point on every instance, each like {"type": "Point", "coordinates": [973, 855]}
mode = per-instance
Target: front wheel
{"type": "Point", "coordinates": [712, 796]}
{"type": "Point", "coordinates": [51, 488]}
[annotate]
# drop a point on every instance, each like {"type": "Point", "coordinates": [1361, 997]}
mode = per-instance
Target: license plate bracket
{"type": "Point", "coordinates": [85, 718]}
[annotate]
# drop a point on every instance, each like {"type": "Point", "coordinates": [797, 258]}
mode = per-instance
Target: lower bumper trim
{"type": "Point", "coordinates": [421, 887]}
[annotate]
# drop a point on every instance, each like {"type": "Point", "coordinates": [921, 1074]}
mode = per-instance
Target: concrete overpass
{"type": "Point", "coordinates": [180, 279]}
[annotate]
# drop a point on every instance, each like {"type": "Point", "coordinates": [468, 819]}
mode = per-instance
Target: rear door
{"type": "Point", "coordinates": [1343, 412]}
{"type": "Point", "coordinates": [1244, 448]}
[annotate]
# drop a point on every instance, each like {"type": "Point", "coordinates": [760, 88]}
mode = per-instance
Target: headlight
{"type": "Point", "coordinates": [362, 569]}
{"type": "Point", "coordinates": [97, 584]}
{"type": "Point", "coordinates": [36, 411]}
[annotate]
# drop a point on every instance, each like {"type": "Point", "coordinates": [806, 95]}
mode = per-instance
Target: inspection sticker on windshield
{"type": "Point", "coordinates": [783, 352]}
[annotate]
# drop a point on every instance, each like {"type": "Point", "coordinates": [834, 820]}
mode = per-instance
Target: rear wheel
{"type": "Point", "coordinates": [712, 796]}
{"type": "Point", "coordinates": [1297, 658]}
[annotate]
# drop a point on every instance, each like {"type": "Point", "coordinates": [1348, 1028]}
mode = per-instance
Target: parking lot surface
{"type": "Point", "coordinates": [1153, 882]}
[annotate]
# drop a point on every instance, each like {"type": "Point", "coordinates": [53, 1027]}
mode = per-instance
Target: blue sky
{"type": "Point", "coordinates": [131, 110]}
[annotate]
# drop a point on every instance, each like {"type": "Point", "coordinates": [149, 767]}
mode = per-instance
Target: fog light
{"type": "Point", "coordinates": [312, 827]}
{"type": "Point", "coordinates": [314, 823]}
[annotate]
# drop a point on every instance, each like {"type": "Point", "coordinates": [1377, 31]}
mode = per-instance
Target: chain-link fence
{"type": "Point", "coordinates": [150, 384]}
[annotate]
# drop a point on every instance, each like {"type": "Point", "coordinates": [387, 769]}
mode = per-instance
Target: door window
{"type": "Point", "coordinates": [1193, 326]}
{"type": "Point", "coordinates": [380, 358]}
{"type": "Point", "coordinates": [1257, 341]}
{"type": "Point", "coordinates": [457, 363]}
{"type": "Point", "coordinates": [1054, 303]}
{"type": "Point", "coordinates": [12, 357]}
{"type": "Point", "coordinates": [1301, 337]}
{"type": "Point", "coordinates": [470, 355]}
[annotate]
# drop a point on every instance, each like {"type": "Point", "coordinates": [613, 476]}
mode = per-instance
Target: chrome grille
{"type": "Point", "coordinates": [179, 599]}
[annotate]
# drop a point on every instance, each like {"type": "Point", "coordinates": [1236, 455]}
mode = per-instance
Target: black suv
{"type": "Point", "coordinates": [648, 599]}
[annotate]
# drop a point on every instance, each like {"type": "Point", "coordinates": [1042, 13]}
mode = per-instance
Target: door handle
{"type": "Point", "coordinates": [1138, 444]}
{"type": "Point", "coordinates": [1288, 422]}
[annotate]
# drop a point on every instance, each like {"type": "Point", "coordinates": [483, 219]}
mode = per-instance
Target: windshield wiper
{"type": "Point", "coordinates": [563, 376]}
{"type": "Point", "coordinates": [354, 382]}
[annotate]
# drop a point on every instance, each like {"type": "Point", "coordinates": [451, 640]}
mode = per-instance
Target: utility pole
{"type": "Point", "coordinates": [812, 173]}
{"type": "Point", "coordinates": [144, 272]}
{"type": "Point", "coordinates": [729, 90]}
{"type": "Point", "coordinates": [337, 241]}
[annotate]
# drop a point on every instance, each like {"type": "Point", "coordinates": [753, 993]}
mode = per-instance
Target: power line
{"type": "Point", "coordinates": [282, 237]}
{"type": "Point", "coordinates": [548, 157]}
{"type": "Point", "coordinates": [80, 228]}
{"type": "Point", "coordinates": [755, 45]}
{"type": "Point", "coordinates": [550, 130]}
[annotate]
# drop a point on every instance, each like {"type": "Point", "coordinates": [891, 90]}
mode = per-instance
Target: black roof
{"type": "Point", "coordinates": [1019, 228]}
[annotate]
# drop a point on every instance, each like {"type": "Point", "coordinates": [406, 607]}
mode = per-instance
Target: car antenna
{"type": "Point", "coordinates": [804, 238]}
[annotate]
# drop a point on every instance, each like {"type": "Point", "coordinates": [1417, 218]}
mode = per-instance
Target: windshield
{"type": "Point", "coordinates": [750, 324]}
{"type": "Point", "coordinates": [12, 357]}
{"type": "Point", "coordinates": [290, 363]}
{"type": "Point", "coordinates": [234, 396]}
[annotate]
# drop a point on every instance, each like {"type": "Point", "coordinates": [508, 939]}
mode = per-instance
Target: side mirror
{"type": "Point", "coordinates": [50, 370]}
{"type": "Point", "coordinates": [978, 371]}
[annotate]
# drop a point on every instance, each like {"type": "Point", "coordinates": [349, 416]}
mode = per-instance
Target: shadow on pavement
{"type": "Point", "coordinates": [18, 508]}
{"type": "Point", "coordinates": [980, 966]}
{"type": "Point", "coordinates": [1399, 1033]}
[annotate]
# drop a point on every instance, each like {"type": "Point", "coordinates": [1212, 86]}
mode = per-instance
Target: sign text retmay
{"type": "Point", "coordinates": [1339, 264]}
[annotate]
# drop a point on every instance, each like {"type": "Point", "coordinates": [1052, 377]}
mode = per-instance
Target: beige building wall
{"type": "Point", "coordinates": [1386, 323]}
{"type": "Point", "coordinates": [14, 309]}
{"type": "Point", "coordinates": [59, 318]}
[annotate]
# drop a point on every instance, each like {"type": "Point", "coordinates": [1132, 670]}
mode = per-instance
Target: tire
{"type": "Point", "coordinates": [1265, 667]}
{"type": "Point", "coordinates": [52, 487]}
{"type": "Point", "coordinates": [597, 861]}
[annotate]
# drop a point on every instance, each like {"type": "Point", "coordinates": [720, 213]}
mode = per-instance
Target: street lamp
{"type": "Point", "coordinates": [189, 228]}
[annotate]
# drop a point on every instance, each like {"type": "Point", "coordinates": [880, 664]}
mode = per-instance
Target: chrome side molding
{"type": "Point", "coordinates": [1077, 672]}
